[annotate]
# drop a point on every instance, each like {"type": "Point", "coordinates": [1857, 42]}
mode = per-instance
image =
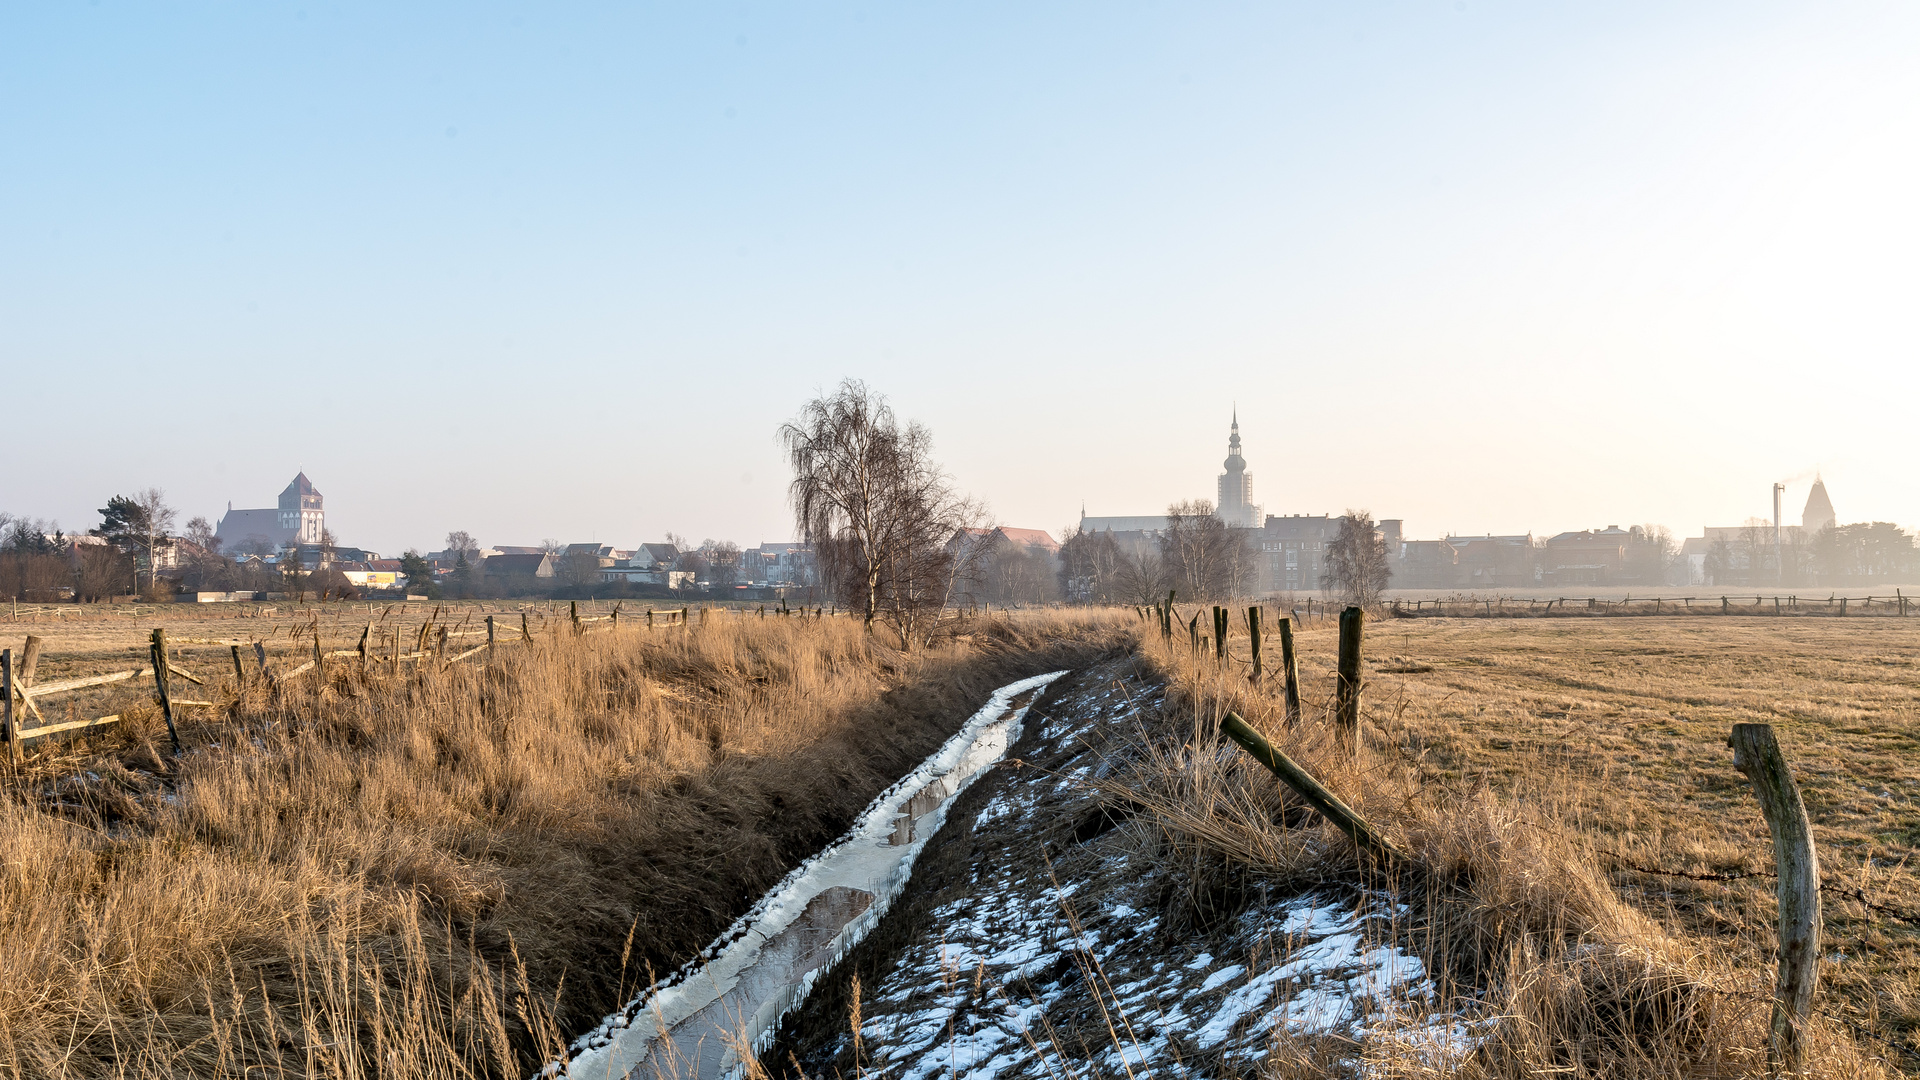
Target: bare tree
{"type": "Point", "coordinates": [461, 542]}
{"type": "Point", "coordinates": [878, 512]}
{"type": "Point", "coordinates": [1209, 559]}
{"type": "Point", "coordinates": [201, 535]}
{"type": "Point", "coordinates": [723, 560]}
{"type": "Point", "coordinates": [1143, 577]}
{"type": "Point", "coordinates": [1356, 561]}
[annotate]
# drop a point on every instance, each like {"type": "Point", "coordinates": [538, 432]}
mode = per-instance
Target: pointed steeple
{"type": "Point", "coordinates": [1819, 510]}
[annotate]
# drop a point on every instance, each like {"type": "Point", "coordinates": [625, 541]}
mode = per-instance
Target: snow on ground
{"type": "Point", "coordinates": [1044, 952]}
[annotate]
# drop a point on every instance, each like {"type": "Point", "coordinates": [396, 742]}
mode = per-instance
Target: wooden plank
{"type": "Point", "coordinates": [1326, 802]}
{"type": "Point", "coordinates": [1756, 753]}
{"type": "Point", "coordinates": [69, 685]}
{"type": "Point", "coordinates": [70, 725]}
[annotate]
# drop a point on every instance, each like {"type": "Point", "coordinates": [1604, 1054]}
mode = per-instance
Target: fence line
{"type": "Point", "coordinates": [1898, 605]}
{"type": "Point", "coordinates": [16, 684]}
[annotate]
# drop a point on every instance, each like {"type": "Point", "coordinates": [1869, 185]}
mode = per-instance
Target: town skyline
{"type": "Point", "coordinates": [237, 518]}
{"type": "Point", "coordinates": [1497, 268]}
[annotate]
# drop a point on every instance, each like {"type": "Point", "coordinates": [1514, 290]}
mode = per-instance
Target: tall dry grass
{"type": "Point", "coordinates": [447, 872]}
{"type": "Point", "coordinates": [1508, 903]}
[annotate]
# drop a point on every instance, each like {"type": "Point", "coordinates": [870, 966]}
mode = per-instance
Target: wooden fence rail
{"type": "Point", "coordinates": [16, 672]}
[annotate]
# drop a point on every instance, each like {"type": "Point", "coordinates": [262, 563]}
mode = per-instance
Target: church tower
{"type": "Point", "coordinates": [1235, 506]}
{"type": "Point", "coordinates": [303, 511]}
{"type": "Point", "coordinates": [1819, 511]}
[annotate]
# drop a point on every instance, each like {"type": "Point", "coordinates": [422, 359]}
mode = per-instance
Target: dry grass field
{"type": "Point", "coordinates": [1591, 755]}
{"type": "Point", "coordinates": [442, 870]}
{"type": "Point", "coordinates": [446, 871]}
{"type": "Point", "coordinates": [1618, 728]}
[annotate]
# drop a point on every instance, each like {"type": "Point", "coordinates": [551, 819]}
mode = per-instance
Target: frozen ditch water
{"type": "Point", "coordinates": [687, 1025]}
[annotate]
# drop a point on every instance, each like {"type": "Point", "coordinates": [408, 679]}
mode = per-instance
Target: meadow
{"type": "Point", "coordinates": [1570, 781]}
{"type": "Point", "coordinates": [421, 869]}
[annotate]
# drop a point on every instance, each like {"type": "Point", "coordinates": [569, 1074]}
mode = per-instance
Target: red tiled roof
{"type": "Point", "coordinates": [1030, 537]}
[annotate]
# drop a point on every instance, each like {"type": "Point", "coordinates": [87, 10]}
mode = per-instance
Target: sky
{"type": "Point", "coordinates": [561, 270]}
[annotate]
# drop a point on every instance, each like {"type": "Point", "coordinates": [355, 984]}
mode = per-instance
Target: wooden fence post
{"type": "Point", "coordinates": [6, 706]}
{"type": "Point", "coordinates": [1757, 754]}
{"type": "Point", "coordinates": [1193, 635]}
{"type": "Point", "coordinates": [366, 641]}
{"type": "Point", "coordinates": [1301, 781]}
{"type": "Point", "coordinates": [1347, 697]}
{"type": "Point", "coordinates": [29, 661]}
{"type": "Point", "coordinates": [1220, 634]}
{"type": "Point", "coordinates": [1290, 668]}
{"type": "Point", "coordinates": [489, 635]}
{"type": "Point", "coordinates": [239, 672]}
{"type": "Point", "coordinates": [525, 634]}
{"type": "Point", "coordinates": [573, 612]}
{"type": "Point", "coordinates": [159, 652]}
{"type": "Point", "coordinates": [1253, 633]}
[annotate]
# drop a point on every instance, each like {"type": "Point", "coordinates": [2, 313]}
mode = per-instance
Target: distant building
{"type": "Point", "coordinates": [539, 564]}
{"type": "Point", "coordinates": [1153, 524]}
{"type": "Point", "coordinates": [1030, 538]}
{"type": "Point", "coordinates": [1818, 513]}
{"type": "Point", "coordinates": [299, 519]}
{"type": "Point", "coordinates": [1752, 554]}
{"type": "Point", "coordinates": [374, 574]}
{"type": "Point", "coordinates": [1293, 552]}
{"type": "Point", "coordinates": [1589, 557]}
{"type": "Point", "coordinates": [1235, 505]}
{"type": "Point", "coordinates": [788, 563]}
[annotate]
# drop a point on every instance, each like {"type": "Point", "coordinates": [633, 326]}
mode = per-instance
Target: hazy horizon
{"type": "Point", "coordinates": [561, 273]}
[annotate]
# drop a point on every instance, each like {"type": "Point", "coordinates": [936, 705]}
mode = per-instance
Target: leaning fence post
{"type": "Point", "coordinates": [1253, 633]}
{"type": "Point", "coordinates": [159, 652]}
{"type": "Point", "coordinates": [1309, 789]}
{"type": "Point", "coordinates": [6, 706]}
{"type": "Point", "coordinates": [239, 673]}
{"type": "Point", "coordinates": [366, 637]}
{"type": "Point", "coordinates": [1756, 753]}
{"type": "Point", "coordinates": [1347, 696]}
{"type": "Point", "coordinates": [1290, 667]}
{"type": "Point", "coordinates": [525, 634]}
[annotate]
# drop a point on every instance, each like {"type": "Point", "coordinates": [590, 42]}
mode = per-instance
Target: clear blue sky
{"type": "Point", "coordinates": [560, 270]}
